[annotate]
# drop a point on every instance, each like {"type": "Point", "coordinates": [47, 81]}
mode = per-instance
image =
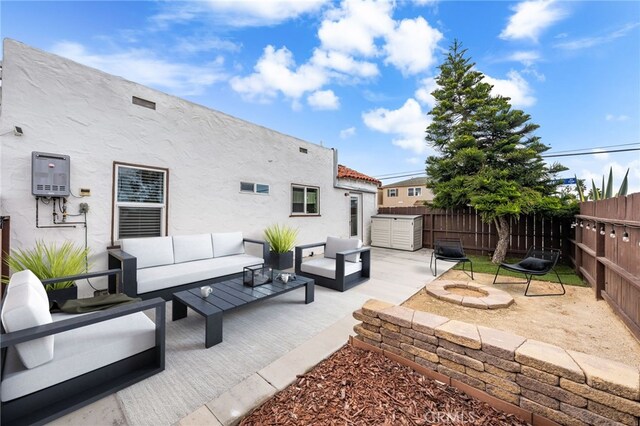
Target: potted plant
{"type": "Point", "coordinates": [52, 261]}
{"type": "Point", "coordinates": [282, 239]}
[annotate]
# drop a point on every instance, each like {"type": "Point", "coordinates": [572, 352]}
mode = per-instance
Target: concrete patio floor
{"type": "Point", "coordinates": [395, 276]}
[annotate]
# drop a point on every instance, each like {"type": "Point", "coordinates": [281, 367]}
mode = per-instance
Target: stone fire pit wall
{"type": "Point", "coordinates": [571, 388]}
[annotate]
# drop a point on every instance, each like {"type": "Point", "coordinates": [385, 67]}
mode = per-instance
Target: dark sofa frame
{"type": "Point", "coordinates": [341, 282]}
{"type": "Point", "coordinates": [48, 404]}
{"type": "Point", "coordinates": [129, 281]}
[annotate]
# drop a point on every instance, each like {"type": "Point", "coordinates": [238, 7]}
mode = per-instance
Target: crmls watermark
{"type": "Point", "coordinates": [447, 417]}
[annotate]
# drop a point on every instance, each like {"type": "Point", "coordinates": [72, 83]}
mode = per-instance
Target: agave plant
{"type": "Point", "coordinates": [281, 238]}
{"type": "Point", "coordinates": [50, 261]}
{"type": "Point", "coordinates": [605, 191]}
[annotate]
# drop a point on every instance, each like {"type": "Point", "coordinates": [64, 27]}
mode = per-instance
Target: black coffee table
{"type": "Point", "coordinates": [228, 295]}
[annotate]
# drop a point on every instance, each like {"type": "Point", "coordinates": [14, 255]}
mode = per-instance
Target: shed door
{"type": "Point", "coordinates": [402, 234]}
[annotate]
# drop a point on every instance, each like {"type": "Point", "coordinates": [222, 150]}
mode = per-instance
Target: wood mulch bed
{"type": "Point", "coordinates": [360, 387]}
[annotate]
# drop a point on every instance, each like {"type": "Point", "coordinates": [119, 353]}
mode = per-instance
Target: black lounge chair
{"type": "Point", "coordinates": [449, 250]}
{"type": "Point", "coordinates": [536, 262]}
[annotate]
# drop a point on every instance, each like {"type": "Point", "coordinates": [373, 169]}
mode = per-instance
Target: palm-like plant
{"type": "Point", "coordinates": [605, 191]}
{"type": "Point", "coordinates": [50, 261]}
{"type": "Point", "coordinates": [281, 238]}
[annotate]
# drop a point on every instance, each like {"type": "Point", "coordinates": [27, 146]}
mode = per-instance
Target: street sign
{"type": "Point", "coordinates": [569, 181]}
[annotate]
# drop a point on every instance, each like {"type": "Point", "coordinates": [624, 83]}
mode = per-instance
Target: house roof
{"type": "Point", "coordinates": [347, 173]}
{"type": "Point", "coordinates": [418, 181]}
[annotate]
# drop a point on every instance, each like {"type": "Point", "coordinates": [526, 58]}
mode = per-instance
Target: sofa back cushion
{"type": "Point", "coordinates": [24, 307]}
{"type": "Point", "coordinates": [192, 247]}
{"type": "Point", "coordinates": [153, 251]}
{"type": "Point", "coordinates": [335, 245]}
{"type": "Point", "coordinates": [227, 244]}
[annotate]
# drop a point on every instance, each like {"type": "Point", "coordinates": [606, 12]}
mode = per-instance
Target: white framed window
{"type": "Point", "coordinates": [305, 200]}
{"type": "Point", "coordinates": [254, 188]}
{"type": "Point", "coordinates": [140, 201]}
{"type": "Point", "coordinates": [414, 192]}
{"type": "Point", "coordinates": [392, 192]}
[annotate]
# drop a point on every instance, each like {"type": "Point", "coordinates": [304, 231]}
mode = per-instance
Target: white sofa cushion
{"type": "Point", "coordinates": [161, 277]}
{"type": "Point", "coordinates": [80, 351]}
{"type": "Point", "coordinates": [192, 247]}
{"type": "Point", "coordinates": [153, 251]}
{"type": "Point", "coordinates": [227, 244]}
{"type": "Point", "coordinates": [23, 308]}
{"type": "Point", "coordinates": [28, 278]}
{"type": "Point", "coordinates": [326, 267]}
{"type": "Point", "coordinates": [335, 245]}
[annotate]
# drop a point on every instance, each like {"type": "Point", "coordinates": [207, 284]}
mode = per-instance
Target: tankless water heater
{"type": "Point", "coordinates": [50, 174]}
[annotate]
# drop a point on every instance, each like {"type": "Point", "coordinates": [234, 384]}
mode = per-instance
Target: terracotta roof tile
{"type": "Point", "coordinates": [347, 173]}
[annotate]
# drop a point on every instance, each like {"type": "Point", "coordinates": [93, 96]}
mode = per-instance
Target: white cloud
{"type": "Point", "coordinates": [411, 46]}
{"type": "Point", "coordinates": [596, 170]}
{"type": "Point", "coordinates": [531, 18]}
{"type": "Point", "coordinates": [587, 42]}
{"type": "Point", "coordinates": [144, 67]}
{"type": "Point", "coordinates": [344, 63]}
{"type": "Point", "coordinates": [205, 44]}
{"type": "Point", "coordinates": [526, 57]}
{"type": "Point", "coordinates": [275, 72]}
{"type": "Point", "coordinates": [415, 160]}
{"type": "Point", "coordinates": [423, 94]}
{"type": "Point", "coordinates": [236, 13]}
{"type": "Point", "coordinates": [408, 123]}
{"type": "Point", "coordinates": [612, 117]}
{"type": "Point", "coordinates": [354, 26]}
{"type": "Point", "coordinates": [347, 133]}
{"type": "Point", "coordinates": [323, 99]}
{"type": "Point", "coordinates": [514, 87]}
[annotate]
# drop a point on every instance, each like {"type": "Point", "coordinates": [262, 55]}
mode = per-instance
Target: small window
{"type": "Point", "coordinates": [143, 102]}
{"type": "Point", "coordinates": [305, 200]}
{"type": "Point", "coordinates": [303, 150]}
{"type": "Point", "coordinates": [254, 188]}
{"type": "Point", "coordinates": [414, 192]}
{"type": "Point", "coordinates": [140, 201]}
{"type": "Point", "coordinates": [392, 192]}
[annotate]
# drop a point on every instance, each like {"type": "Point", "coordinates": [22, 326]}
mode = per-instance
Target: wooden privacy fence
{"type": "Point", "coordinates": [610, 261]}
{"type": "Point", "coordinates": [480, 238]}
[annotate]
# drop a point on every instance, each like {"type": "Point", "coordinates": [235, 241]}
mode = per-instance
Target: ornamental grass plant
{"type": "Point", "coordinates": [50, 261]}
{"type": "Point", "coordinates": [281, 238]}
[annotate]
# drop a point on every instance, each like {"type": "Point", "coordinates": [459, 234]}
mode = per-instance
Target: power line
{"type": "Point", "coordinates": [596, 147]}
{"type": "Point", "coordinates": [423, 173]}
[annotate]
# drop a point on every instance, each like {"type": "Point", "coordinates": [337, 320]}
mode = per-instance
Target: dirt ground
{"type": "Point", "coordinates": [574, 321]}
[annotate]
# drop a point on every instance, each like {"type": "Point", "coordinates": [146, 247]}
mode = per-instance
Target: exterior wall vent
{"type": "Point", "coordinates": [303, 150]}
{"type": "Point", "coordinates": [143, 102]}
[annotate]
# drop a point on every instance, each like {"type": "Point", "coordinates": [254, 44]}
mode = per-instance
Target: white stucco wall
{"type": "Point", "coordinates": [67, 108]}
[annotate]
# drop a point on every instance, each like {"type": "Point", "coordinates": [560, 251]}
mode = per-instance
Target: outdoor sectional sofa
{"type": "Point", "coordinates": [53, 364]}
{"type": "Point", "coordinates": [161, 266]}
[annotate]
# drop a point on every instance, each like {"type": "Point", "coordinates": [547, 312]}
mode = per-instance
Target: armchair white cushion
{"type": "Point", "coordinates": [150, 252]}
{"type": "Point", "coordinates": [25, 307]}
{"type": "Point", "coordinates": [336, 245]}
{"type": "Point", "coordinates": [326, 267]}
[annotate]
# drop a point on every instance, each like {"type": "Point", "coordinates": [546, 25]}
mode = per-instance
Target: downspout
{"type": "Point", "coordinates": [338, 185]}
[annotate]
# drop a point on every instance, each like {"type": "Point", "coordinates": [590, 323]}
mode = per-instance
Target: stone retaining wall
{"type": "Point", "coordinates": [571, 388]}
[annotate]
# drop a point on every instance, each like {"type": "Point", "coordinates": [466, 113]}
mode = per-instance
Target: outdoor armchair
{"type": "Point", "coordinates": [345, 263]}
{"type": "Point", "coordinates": [449, 250]}
{"type": "Point", "coordinates": [535, 263]}
{"type": "Point", "coordinates": [53, 364]}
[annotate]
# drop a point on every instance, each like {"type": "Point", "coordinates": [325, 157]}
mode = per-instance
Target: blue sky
{"type": "Point", "coordinates": [356, 75]}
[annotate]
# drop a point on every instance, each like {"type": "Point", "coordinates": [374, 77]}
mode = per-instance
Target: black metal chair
{"type": "Point", "coordinates": [536, 262]}
{"type": "Point", "coordinates": [449, 250]}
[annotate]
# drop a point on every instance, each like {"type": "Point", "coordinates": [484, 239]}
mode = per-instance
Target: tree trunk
{"type": "Point", "coordinates": [502, 226]}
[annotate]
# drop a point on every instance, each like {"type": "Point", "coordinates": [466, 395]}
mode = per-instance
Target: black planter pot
{"type": "Point", "coordinates": [281, 261]}
{"type": "Point", "coordinates": [63, 294]}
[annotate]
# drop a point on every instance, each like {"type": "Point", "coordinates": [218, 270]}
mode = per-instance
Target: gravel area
{"type": "Point", "coordinates": [359, 387]}
{"type": "Point", "coordinates": [574, 321]}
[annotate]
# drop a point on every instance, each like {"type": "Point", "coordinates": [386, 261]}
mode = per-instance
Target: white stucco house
{"type": "Point", "coordinates": [147, 163]}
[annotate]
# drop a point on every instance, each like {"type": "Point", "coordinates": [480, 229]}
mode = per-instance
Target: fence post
{"type": "Point", "coordinates": [599, 273]}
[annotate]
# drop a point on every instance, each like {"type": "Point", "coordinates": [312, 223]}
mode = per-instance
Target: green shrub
{"type": "Point", "coordinates": [50, 261]}
{"type": "Point", "coordinates": [281, 238]}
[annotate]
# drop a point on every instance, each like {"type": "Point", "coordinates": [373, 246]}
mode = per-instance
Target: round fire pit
{"type": "Point", "coordinates": [469, 294]}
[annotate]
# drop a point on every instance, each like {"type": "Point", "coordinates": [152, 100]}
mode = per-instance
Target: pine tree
{"type": "Point", "coordinates": [489, 157]}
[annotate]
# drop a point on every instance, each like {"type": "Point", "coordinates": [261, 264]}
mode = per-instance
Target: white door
{"type": "Point", "coordinates": [355, 216]}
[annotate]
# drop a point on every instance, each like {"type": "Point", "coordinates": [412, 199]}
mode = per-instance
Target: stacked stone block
{"type": "Point", "coordinates": [568, 387]}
